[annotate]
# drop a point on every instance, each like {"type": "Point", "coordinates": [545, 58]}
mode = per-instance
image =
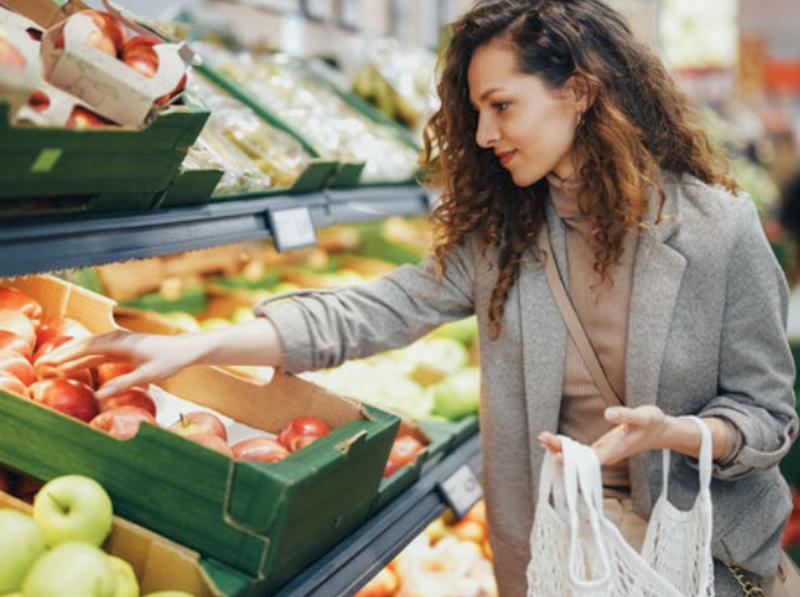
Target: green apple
{"type": "Point", "coordinates": [72, 568]}
{"type": "Point", "coordinates": [242, 314]}
{"type": "Point", "coordinates": [21, 543]}
{"type": "Point", "coordinates": [184, 321]}
{"type": "Point", "coordinates": [214, 323]}
{"type": "Point", "coordinates": [125, 583]}
{"type": "Point", "coordinates": [73, 508]}
{"type": "Point", "coordinates": [459, 394]}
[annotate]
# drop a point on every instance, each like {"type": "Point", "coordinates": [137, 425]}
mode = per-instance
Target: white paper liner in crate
{"type": "Point", "coordinates": [169, 408]}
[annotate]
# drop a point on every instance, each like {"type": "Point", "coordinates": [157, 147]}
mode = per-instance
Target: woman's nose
{"type": "Point", "coordinates": [487, 134]}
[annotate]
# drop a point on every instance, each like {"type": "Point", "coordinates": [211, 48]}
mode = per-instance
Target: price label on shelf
{"type": "Point", "coordinates": [292, 228]}
{"type": "Point", "coordinates": [461, 490]}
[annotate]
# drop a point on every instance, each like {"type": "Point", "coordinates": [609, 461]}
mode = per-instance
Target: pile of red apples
{"type": "Point", "coordinates": [26, 336]}
{"type": "Point", "coordinates": [108, 37]}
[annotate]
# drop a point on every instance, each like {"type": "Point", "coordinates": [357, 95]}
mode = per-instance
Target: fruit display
{"type": "Point", "coordinates": [334, 128]}
{"type": "Point", "coordinates": [449, 558]}
{"type": "Point", "coordinates": [83, 53]}
{"type": "Point", "coordinates": [29, 337]}
{"type": "Point", "coordinates": [256, 156]}
{"type": "Point", "coordinates": [58, 549]}
{"type": "Point", "coordinates": [397, 77]}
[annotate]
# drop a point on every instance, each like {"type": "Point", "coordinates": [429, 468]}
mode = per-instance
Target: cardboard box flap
{"type": "Point", "coordinates": [58, 298]}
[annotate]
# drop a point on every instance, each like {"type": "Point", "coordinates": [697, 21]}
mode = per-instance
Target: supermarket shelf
{"type": "Point", "coordinates": [352, 563]}
{"type": "Point", "coordinates": [32, 246]}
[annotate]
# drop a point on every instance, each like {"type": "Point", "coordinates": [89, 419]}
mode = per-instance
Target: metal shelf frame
{"type": "Point", "coordinates": [352, 563]}
{"type": "Point", "coordinates": [42, 245]}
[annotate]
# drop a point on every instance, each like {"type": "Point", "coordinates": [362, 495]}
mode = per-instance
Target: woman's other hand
{"type": "Point", "coordinates": [647, 428]}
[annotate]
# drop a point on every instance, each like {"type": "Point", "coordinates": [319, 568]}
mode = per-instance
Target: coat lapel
{"type": "Point", "coordinates": [657, 275]}
{"type": "Point", "coordinates": [544, 339]}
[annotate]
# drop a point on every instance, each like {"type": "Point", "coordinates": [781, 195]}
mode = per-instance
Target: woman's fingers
{"type": "Point", "coordinates": [109, 345]}
{"type": "Point", "coordinates": [551, 443]}
{"type": "Point", "coordinates": [141, 377]}
{"type": "Point", "coordinates": [642, 416]}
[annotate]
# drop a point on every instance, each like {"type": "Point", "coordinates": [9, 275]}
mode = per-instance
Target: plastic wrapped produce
{"type": "Point", "coordinates": [397, 77]}
{"type": "Point", "coordinates": [256, 155]}
{"type": "Point", "coordinates": [335, 129]}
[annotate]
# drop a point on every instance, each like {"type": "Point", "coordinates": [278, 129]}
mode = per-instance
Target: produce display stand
{"type": "Point", "coordinates": [42, 245]}
{"type": "Point", "coordinates": [34, 245]}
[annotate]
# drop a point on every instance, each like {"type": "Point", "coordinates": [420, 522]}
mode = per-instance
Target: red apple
{"type": "Point", "coordinates": [122, 422]}
{"type": "Point", "coordinates": [10, 341]}
{"type": "Point", "coordinates": [108, 371]}
{"type": "Point", "coordinates": [259, 449]}
{"type": "Point", "coordinates": [17, 365]}
{"type": "Point", "coordinates": [143, 65]}
{"type": "Point", "coordinates": [138, 53]}
{"type": "Point", "coordinates": [167, 97]}
{"type": "Point", "coordinates": [108, 37]}
{"type": "Point", "coordinates": [81, 118]}
{"type": "Point", "coordinates": [68, 396]}
{"type": "Point", "coordinates": [134, 397]}
{"type": "Point", "coordinates": [39, 101]}
{"type": "Point", "coordinates": [16, 300]}
{"type": "Point", "coordinates": [9, 55]}
{"type": "Point", "coordinates": [9, 383]}
{"type": "Point", "coordinates": [60, 326]}
{"type": "Point", "coordinates": [209, 440]}
{"type": "Point", "coordinates": [309, 427]}
{"type": "Point", "coordinates": [404, 450]}
{"type": "Point", "coordinates": [200, 422]}
{"type": "Point", "coordinates": [17, 323]}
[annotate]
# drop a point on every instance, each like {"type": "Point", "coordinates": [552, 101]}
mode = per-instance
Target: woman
{"type": "Point", "coordinates": [554, 119]}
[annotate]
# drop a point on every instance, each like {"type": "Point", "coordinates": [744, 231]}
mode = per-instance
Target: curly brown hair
{"type": "Point", "coordinates": [638, 124]}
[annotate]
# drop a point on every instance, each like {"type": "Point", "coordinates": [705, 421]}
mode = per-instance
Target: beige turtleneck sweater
{"type": "Point", "coordinates": [603, 309]}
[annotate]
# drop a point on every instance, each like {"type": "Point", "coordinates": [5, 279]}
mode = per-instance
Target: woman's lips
{"type": "Point", "coordinates": [506, 157]}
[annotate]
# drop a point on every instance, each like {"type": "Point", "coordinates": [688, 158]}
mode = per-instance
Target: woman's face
{"type": "Point", "coordinates": [529, 126]}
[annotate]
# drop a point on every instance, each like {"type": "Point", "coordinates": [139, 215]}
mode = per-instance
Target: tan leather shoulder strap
{"type": "Point", "coordinates": [573, 322]}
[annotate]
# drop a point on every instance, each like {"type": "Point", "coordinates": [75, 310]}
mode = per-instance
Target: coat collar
{"type": "Point", "coordinates": [657, 276]}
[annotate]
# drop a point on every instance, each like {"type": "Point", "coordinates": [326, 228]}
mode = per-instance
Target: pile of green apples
{"type": "Point", "coordinates": [56, 552]}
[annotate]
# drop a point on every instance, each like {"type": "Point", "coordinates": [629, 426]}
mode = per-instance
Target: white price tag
{"type": "Point", "coordinates": [461, 490]}
{"type": "Point", "coordinates": [292, 228]}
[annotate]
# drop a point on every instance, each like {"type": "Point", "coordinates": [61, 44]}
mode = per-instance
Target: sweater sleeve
{"type": "Point", "coordinates": [756, 375]}
{"type": "Point", "coordinates": [322, 329]}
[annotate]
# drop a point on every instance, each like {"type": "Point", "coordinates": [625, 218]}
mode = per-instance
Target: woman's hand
{"type": "Point", "coordinates": [154, 357]}
{"type": "Point", "coordinates": [637, 430]}
{"type": "Point", "coordinates": [647, 428]}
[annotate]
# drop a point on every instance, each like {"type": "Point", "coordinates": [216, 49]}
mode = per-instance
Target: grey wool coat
{"type": "Point", "coordinates": [706, 337]}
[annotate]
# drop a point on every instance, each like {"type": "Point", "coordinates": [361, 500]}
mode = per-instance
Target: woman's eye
{"type": "Point", "coordinates": [500, 106]}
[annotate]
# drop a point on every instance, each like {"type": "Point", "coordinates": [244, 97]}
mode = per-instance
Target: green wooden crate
{"type": "Point", "coordinates": [268, 522]}
{"type": "Point", "coordinates": [406, 476]}
{"type": "Point", "coordinates": [112, 165]}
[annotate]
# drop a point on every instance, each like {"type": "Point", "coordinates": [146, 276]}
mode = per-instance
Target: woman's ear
{"type": "Point", "coordinates": [581, 92]}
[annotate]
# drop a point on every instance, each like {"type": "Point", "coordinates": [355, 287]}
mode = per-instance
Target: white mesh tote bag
{"type": "Point", "coordinates": [575, 550]}
{"type": "Point", "coordinates": [678, 542]}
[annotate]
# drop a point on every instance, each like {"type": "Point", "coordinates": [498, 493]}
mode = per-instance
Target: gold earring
{"type": "Point", "coordinates": [580, 118]}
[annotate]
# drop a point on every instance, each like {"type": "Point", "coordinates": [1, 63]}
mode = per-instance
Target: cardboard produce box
{"type": "Point", "coordinates": [160, 564]}
{"type": "Point", "coordinates": [264, 521]}
{"type": "Point", "coordinates": [95, 169]}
